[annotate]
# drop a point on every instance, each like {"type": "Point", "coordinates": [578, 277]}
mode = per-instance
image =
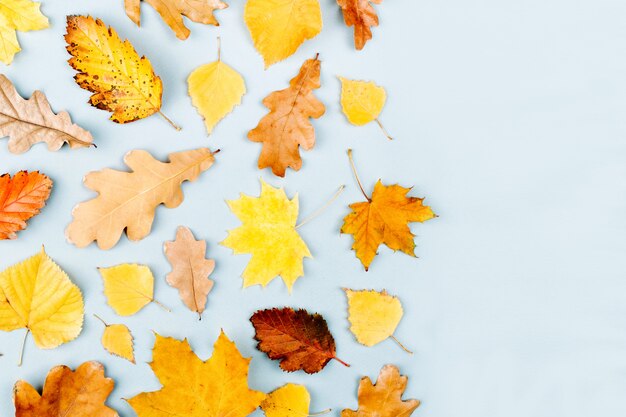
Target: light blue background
{"type": "Point", "coordinates": [509, 116]}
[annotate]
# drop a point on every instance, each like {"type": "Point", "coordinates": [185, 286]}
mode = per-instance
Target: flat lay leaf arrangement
{"type": "Point", "coordinates": [37, 296]}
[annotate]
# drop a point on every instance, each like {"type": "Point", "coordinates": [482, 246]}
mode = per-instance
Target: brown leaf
{"type": "Point", "coordinates": [81, 393]}
{"type": "Point", "coordinates": [21, 198]}
{"type": "Point", "coordinates": [301, 341]}
{"type": "Point", "coordinates": [190, 269]}
{"type": "Point", "coordinates": [361, 15]}
{"type": "Point", "coordinates": [287, 126]}
{"type": "Point", "coordinates": [27, 122]}
{"type": "Point", "coordinates": [383, 399]}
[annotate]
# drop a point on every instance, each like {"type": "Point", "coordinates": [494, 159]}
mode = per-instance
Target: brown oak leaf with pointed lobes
{"type": "Point", "coordinates": [361, 15]}
{"type": "Point", "coordinates": [172, 12]}
{"type": "Point", "coordinates": [287, 126]}
{"type": "Point", "coordinates": [27, 122]}
{"type": "Point", "coordinates": [21, 198]}
{"type": "Point", "coordinates": [190, 269]}
{"type": "Point", "coordinates": [67, 393]}
{"type": "Point", "coordinates": [301, 341]}
{"type": "Point", "coordinates": [383, 399]}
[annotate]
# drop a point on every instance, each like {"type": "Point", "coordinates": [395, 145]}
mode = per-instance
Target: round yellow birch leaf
{"type": "Point", "coordinates": [290, 400]}
{"type": "Point", "coordinates": [128, 287]}
{"type": "Point", "coordinates": [361, 101]}
{"type": "Point", "coordinates": [373, 315]}
{"type": "Point", "coordinates": [118, 340]}
{"type": "Point", "coordinates": [279, 27]}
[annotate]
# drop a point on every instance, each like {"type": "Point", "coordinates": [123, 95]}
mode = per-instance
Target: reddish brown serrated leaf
{"type": "Point", "coordinates": [301, 341]}
{"type": "Point", "coordinates": [21, 198]}
{"type": "Point", "coordinates": [361, 15]}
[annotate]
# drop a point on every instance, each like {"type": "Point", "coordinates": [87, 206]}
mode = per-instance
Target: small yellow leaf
{"type": "Point", "coordinates": [128, 287]}
{"type": "Point", "coordinates": [118, 340]}
{"type": "Point", "coordinates": [22, 15]}
{"type": "Point", "coordinates": [279, 27]}
{"type": "Point", "coordinates": [373, 315]}
{"type": "Point", "coordinates": [361, 101]}
{"type": "Point", "coordinates": [290, 400]}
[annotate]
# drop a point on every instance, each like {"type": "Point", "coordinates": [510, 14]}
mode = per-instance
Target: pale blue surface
{"type": "Point", "coordinates": [509, 116]}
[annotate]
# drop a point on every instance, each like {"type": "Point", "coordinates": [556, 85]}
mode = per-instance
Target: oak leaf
{"type": "Point", "coordinates": [301, 341]}
{"type": "Point", "coordinates": [362, 102]}
{"type": "Point", "coordinates": [287, 126]}
{"type": "Point", "coordinates": [128, 200]}
{"type": "Point", "coordinates": [21, 198]}
{"type": "Point", "coordinates": [190, 269]}
{"type": "Point", "coordinates": [17, 15]}
{"type": "Point", "coordinates": [128, 288]}
{"type": "Point", "coordinates": [67, 393]}
{"type": "Point", "coordinates": [27, 122]}
{"type": "Point", "coordinates": [290, 400]}
{"type": "Point", "coordinates": [278, 28]}
{"type": "Point", "coordinates": [361, 15]}
{"type": "Point", "coordinates": [383, 399]}
{"type": "Point", "coordinates": [172, 12]}
{"type": "Point", "coordinates": [118, 340]}
{"type": "Point", "coordinates": [121, 81]}
{"type": "Point", "coordinates": [268, 232]}
{"type": "Point", "coordinates": [195, 388]}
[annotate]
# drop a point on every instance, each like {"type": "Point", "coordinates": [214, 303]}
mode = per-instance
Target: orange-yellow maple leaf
{"type": "Point", "coordinates": [21, 198]}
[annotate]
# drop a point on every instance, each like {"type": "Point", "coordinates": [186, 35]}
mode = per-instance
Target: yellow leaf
{"type": "Point", "coordinates": [290, 400]}
{"type": "Point", "coordinates": [22, 15]}
{"type": "Point", "coordinates": [215, 90]}
{"type": "Point", "coordinates": [269, 233]}
{"type": "Point", "coordinates": [362, 102]}
{"type": "Point", "coordinates": [128, 287]}
{"type": "Point", "coordinates": [37, 295]}
{"type": "Point", "coordinates": [193, 388]}
{"type": "Point", "coordinates": [279, 27]}
{"type": "Point", "coordinates": [118, 340]}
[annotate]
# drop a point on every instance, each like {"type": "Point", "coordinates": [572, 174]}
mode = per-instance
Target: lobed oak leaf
{"type": "Point", "coordinates": [21, 198]}
{"type": "Point", "coordinates": [361, 15]}
{"type": "Point", "coordinates": [17, 15]}
{"type": "Point", "coordinates": [67, 393]}
{"type": "Point", "coordinates": [217, 387]}
{"type": "Point", "coordinates": [27, 122]}
{"type": "Point", "coordinates": [190, 269]}
{"type": "Point", "coordinates": [172, 12]}
{"type": "Point", "coordinates": [301, 341]}
{"type": "Point", "coordinates": [383, 399]}
{"type": "Point", "coordinates": [287, 127]}
{"type": "Point", "coordinates": [128, 288]}
{"type": "Point", "coordinates": [118, 340]}
{"type": "Point", "coordinates": [127, 200]}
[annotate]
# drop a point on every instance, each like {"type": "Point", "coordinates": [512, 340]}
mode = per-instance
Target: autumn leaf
{"type": "Point", "coordinates": [21, 198]}
{"type": "Point", "coordinates": [268, 232]}
{"type": "Point", "coordinates": [301, 341]}
{"type": "Point", "coordinates": [194, 388]}
{"type": "Point", "coordinates": [190, 269]}
{"type": "Point", "coordinates": [67, 393]}
{"type": "Point", "coordinates": [383, 399]}
{"type": "Point", "coordinates": [17, 15]}
{"type": "Point", "coordinates": [287, 126]}
{"type": "Point", "coordinates": [279, 27]}
{"type": "Point", "coordinates": [215, 89]}
{"type": "Point", "coordinates": [361, 15]}
{"type": "Point", "coordinates": [128, 288]}
{"type": "Point", "coordinates": [172, 12]}
{"type": "Point", "coordinates": [38, 295]}
{"type": "Point", "coordinates": [118, 340]}
{"type": "Point", "coordinates": [290, 400]}
{"type": "Point", "coordinates": [374, 316]}
{"type": "Point", "coordinates": [362, 102]}
{"type": "Point", "coordinates": [121, 81]}
{"type": "Point", "coordinates": [384, 219]}
{"type": "Point", "coordinates": [127, 200]}
{"type": "Point", "coordinates": [27, 122]}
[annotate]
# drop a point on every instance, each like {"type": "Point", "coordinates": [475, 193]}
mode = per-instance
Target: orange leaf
{"type": "Point", "coordinates": [287, 126]}
{"type": "Point", "coordinates": [301, 341]}
{"type": "Point", "coordinates": [21, 198]}
{"type": "Point", "coordinates": [361, 15]}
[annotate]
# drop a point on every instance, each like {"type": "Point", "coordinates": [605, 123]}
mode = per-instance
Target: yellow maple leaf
{"type": "Point", "coordinates": [269, 233]}
{"type": "Point", "coordinates": [362, 102]}
{"type": "Point", "coordinates": [22, 15]}
{"type": "Point", "coordinates": [217, 387]}
{"type": "Point", "coordinates": [290, 400]}
{"type": "Point", "coordinates": [215, 89]}
{"type": "Point", "coordinates": [118, 340]}
{"type": "Point", "coordinates": [38, 295]}
{"type": "Point", "coordinates": [279, 27]}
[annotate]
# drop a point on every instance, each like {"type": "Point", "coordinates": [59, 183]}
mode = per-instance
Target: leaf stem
{"type": "Point", "coordinates": [219, 48]}
{"type": "Point", "coordinates": [383, 129]}
{"type": "Point", "coordinates": [328, 410]}
{"type": "Point", "coordinates": [161, 305]}
{"type": "Point", "coordinates": [100, 318]}
{"type": "Point", "coordinates": [321, 209]}
{"type": "Point", "coordinates": [356, 175]}
{"type": "Point", "coordinates": [401, 345]}
{"type": "Point", "coordinates": [347, 365]}
{"type": "Point", "coordinates": [174, 125]}
{"type": "Point", "coordinates": [19, 362]}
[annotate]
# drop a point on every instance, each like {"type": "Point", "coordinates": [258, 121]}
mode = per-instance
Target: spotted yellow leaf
{"type": "Point", "coordinates": [118, 340]}
{"type": "Point", "coordinates": [362, 102]}
{"type": "Point", "coordinates": [128, 287]}
{"type": "Point", "coordinates": [17, 15]}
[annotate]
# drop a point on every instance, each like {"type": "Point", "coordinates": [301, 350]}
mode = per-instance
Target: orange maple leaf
{"type": "Point", "coordinates": [21, 198]}
{"type": "Point", "coordinates": [361, 15]}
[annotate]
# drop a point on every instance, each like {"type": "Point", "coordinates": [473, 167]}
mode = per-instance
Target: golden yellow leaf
{"type": "Point", "coordinates": [22, 15]}
{"type": "Point", "coordinates": [362, 102]}
{"type": "Point", "coordinates": [279, 27]}
{"type": "Point", "coordinates": [118, 340]}
{"type": "Point", "coordinates": [127, 200]}
{"type": "Point", "coordinates": [193, 388]}
{"type": "Point", "coordinates": [128, 287]}
{"type": "Point", "coordinates": [215, 89]}
{"type": "Point", "coordinates": [38, 295]}
{"type": "Point", "coordinates": [268, 233]}
{"type": "Point", "coordinates": [290, 400]}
